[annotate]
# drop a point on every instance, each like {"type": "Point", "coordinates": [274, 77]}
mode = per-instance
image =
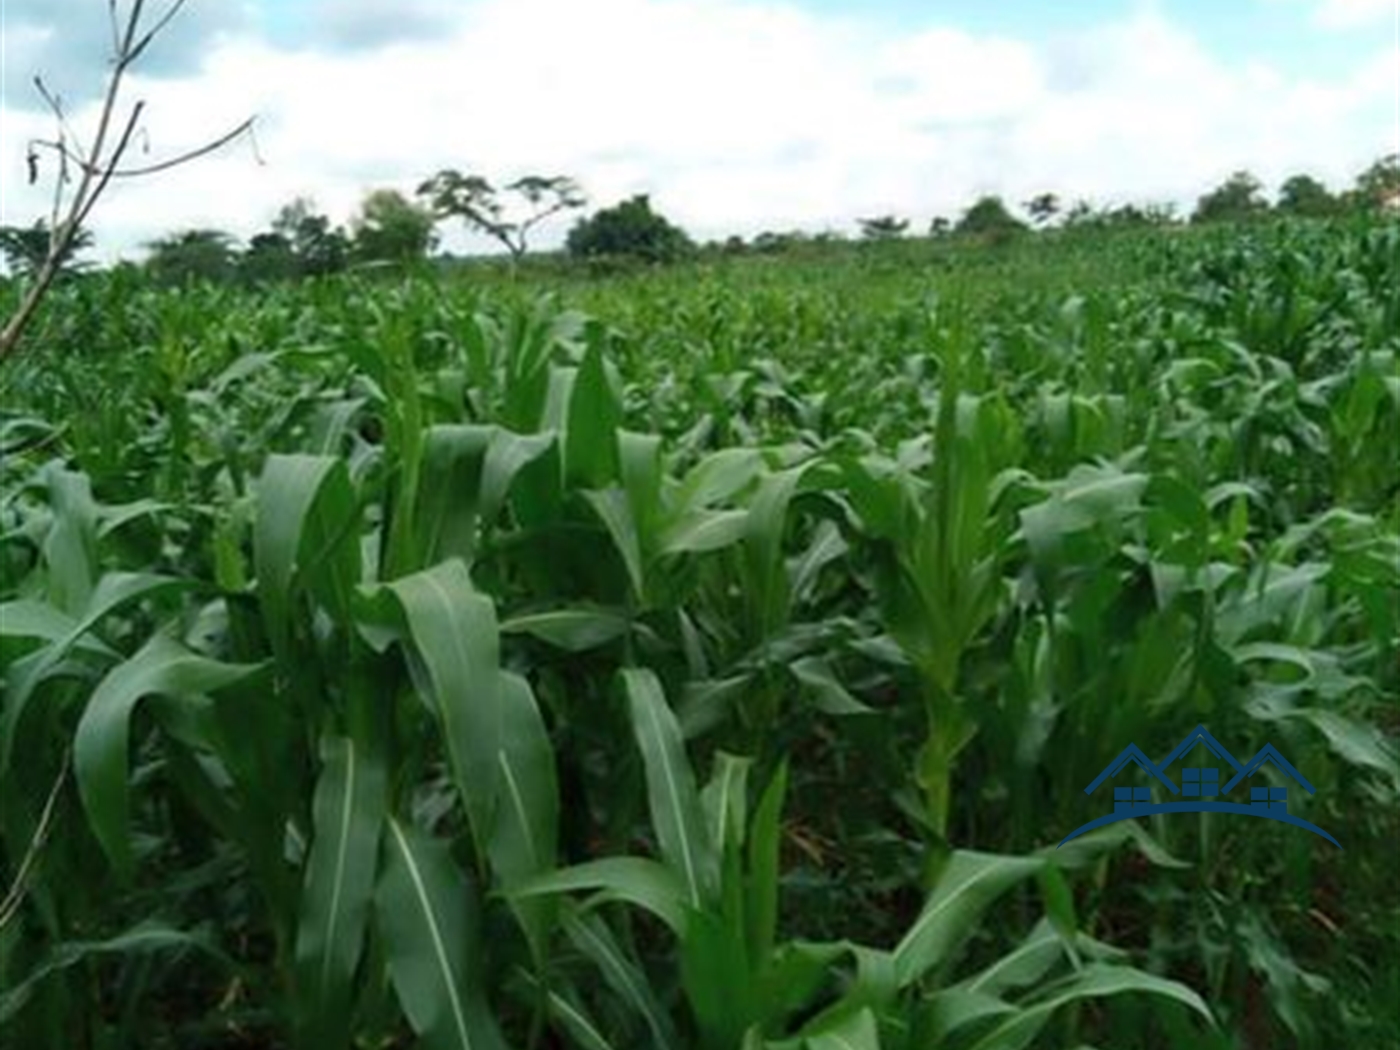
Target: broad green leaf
{"type": "Point", "coordinates": [100, 744]}
{"type": "Point", "coordinates": [717, 978]}
{"type": "Point", "coordinates": [856, 1032]}
{"type": "Point", "coordinates": [645, 883]}
{"type": "Point", "coordinates": [348, 814]}
{"type": "Point", "coordinates": [524, 841]}
{"type": "Point", "coordinates": [573, 629]}
{"type": "Point", "coordinates": [571, 1015]}
{"type": "Point", "coordinates": [506, 457]}
{"type": "Point", "coordinates": [676, 814]}
{"type": "Point", "coordinates": [591, 936]}
{"type": "Point", "coordinates": [454, 638]}
{"type": "Point", "coordinates": [703, 531]}
{"type": "Point", "coordinates": [615, 512]}
{"type": "Point", "coordinates": [829, 695]}
{"type": "Point", "coordinates": [639, 463]}
{"type": "Point", "coordinates": [447, 512]}
{"type": "Point", "coordinates": [426, 912]}
{"type": "Point", "coordinates": [968, 884]}
{"type": "Point", "coordinates": [1094, 982]}
{"type": "Point", "coordinates": [725, 800]}
{"type": "Point", "coordinates": [595, 413]}
{"type": "Point", "coordinates": [70, 547]}
{"type": "Point", "coordinates": [1023, 965]}
{"type": "Point", "coordinates": [762, 883]}
{"type": "Point", "coordinates": [114, 592]}
{"type": "Point", "coordinates": [287, 491]}
{"type": "Point", "coordinates": [767, 584]}
{"type": "Point", "coordinates": [717, 477]}
{"type": "Point", "coordinates": [148, 938]}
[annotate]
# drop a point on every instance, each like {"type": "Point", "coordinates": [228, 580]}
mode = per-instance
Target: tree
{"type": "Point", "coordinates": [1080, 214]}
{"type": "Point", "coordinates": [1237, 199]}
{"type": "Point", "coordinates": [883, 228]}
{"type": "Point", "coordinates": [390, 228]}
{"type": "Point", "coordinates": [940, 227]}
{"type": "Point", "coordinates": [191, 256]}
{"type": "Point", "coordinates": [1043, 207]}
{"type": "Point", "coordinates": [318, 248]}
{"type": "Point", "coordinates": [89, 169]}
{"type": "Point", "coordinates": [269, 258]}
{"type": "Point", "coordinates": [629, 228]}
{"type": "Point", "coordinates": [1379, 183]}
{"type": "Point", "coordinates": [989, 218]}
{"type": "Point", "coordinates": [26, 248]}
{"type": "Point", "coordinates": [479, 204]}
{"type": "Point", "coordinates": [1304, 196]}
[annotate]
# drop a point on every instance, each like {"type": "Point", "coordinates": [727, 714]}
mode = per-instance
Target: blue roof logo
{"type": "Point", "coordinates": [1200, 789]}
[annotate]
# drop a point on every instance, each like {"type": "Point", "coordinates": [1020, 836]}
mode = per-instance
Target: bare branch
{"type": "Point", "coordinates": [161, 23]}
{"type": "Point", "coordinates": [165, 165]}
{"type": "Point", "coordinates": [96, 166]}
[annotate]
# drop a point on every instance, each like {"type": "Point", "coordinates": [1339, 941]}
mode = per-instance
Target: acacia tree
{"type": "Point", "coordinates": [98, 162]}
{"type": "Point", "coordinates": [479, 204]}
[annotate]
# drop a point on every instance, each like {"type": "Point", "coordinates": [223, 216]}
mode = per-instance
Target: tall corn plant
{"type": "Point", "coordinates": [947, 542]}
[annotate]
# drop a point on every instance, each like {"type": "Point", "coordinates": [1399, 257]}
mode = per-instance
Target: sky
{"type": "Point", "coordinates": [736, 116]}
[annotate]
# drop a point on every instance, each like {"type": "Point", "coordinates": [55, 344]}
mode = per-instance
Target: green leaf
{"type": "Point", "coordinates": [348, 817]}
{"type": "Point", "coordinates": [506, 457]}
{"type": "Point", "coordinates": [148, 938]}
{"type": "Point", "coordinates": [595, 413]}
{"type": "Point", "coordinates": [855, 1032]}
{"type": "Point", "coordinates": [571, 1015]}
{"type": "Point", "coordinates": [703, 531]}
{"type": "Point", "coordinates": [524, 841]}
{"type": "Point", "coordinates": [287, 491]}
{"type": "Point", "coordinates": [717, 477]}
{"type": "Point", "coordinates": [70, 546]}
{"type": "Point", "coordinates": [967, 885]}
{"type": "Point", "coordinates": [676, 814]}
{"type": "Point", "coordinates": [762, 884]}
{"type": "Point", "coordinates": [425, 909]}
{"type": "Point", "coordinates": [447, 512]}
{"type": "Point", "coordinates": [591, 936]}
{"type": "Point", "coordinates": [615, 512]}
{"type": "Point", "coordinates": [455, 643]}
{"type": "Point", "coordinates": [829, 695]}
{"type": "Point", "coordinates": [725, 800]}
{"type": "Point", "coordinates": [1094, 982]}
{"type": "Point", "coordinates": [717, 979]}
{"type": "Point", "coordinates": [637, 880]}
{"type": "Point", "coordinates": [573, 629]}
{"type": "Point", "coordinates": [114, 592]}
{"type": "Point", "coordinates": [1024, 965]}
{"type": "Point", "coordinates": [100, 748]}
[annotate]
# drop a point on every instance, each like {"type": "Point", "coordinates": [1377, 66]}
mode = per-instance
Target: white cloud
{"type": "Point", "coordinates": [1353, 14]}
{"type": "Point", "coordinates": [737, 117]}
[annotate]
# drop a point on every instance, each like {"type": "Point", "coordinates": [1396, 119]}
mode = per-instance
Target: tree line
{"type": "Point", "coordinates": [391, 229]}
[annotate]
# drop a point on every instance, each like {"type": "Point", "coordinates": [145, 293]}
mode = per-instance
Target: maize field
{"type": "Point", "coordinates": [705, 659]}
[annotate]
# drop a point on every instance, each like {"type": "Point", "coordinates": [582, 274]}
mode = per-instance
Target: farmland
{"type": "Point", "coordinates": [706, 657]}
